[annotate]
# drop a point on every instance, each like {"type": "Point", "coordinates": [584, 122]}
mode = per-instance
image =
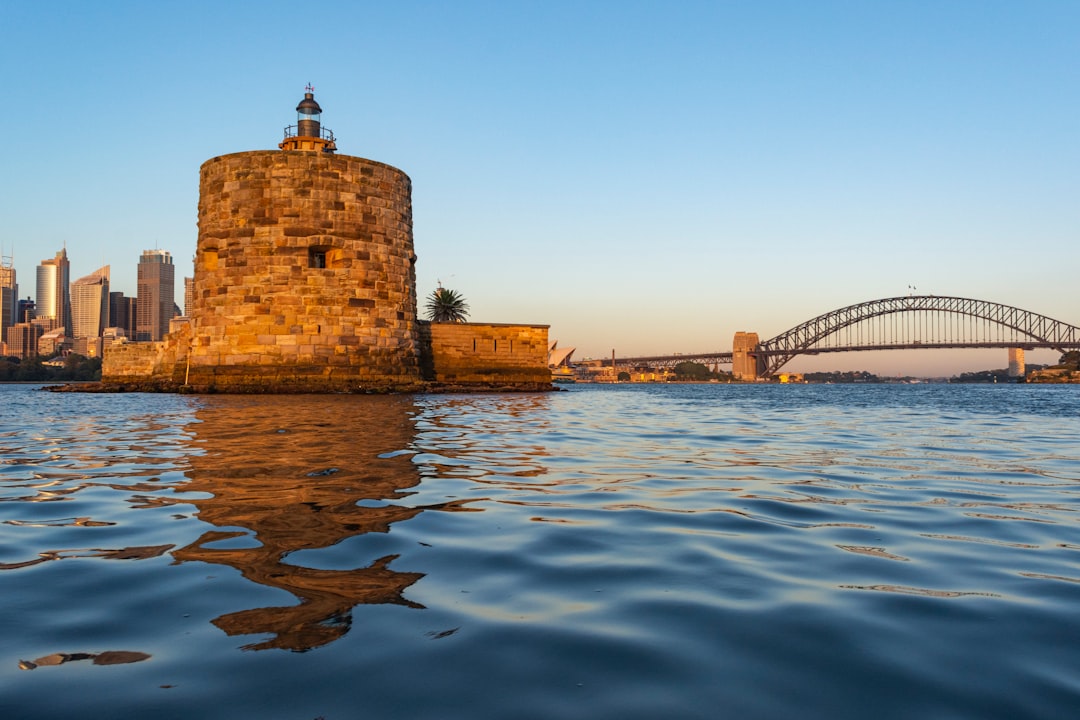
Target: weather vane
{"type": "Point", "coordinates": [309, 88]}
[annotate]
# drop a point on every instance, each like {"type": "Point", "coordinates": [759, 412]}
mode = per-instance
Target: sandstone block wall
{"type": "Point", "coordinates": [304, 273]}
{"type": "Point", "coordinates": [142, 363]}
{"type": "Point", "coordinates": [488, 353]}
{"type": "Point", "coordinates": [744, 365]}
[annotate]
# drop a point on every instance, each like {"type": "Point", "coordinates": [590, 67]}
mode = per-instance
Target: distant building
{"type": "Point", "coordinates": [22, 340]}
{"type": "Point", "coordinates": [53, 291]}
{"type": "Point", "coordinates": [90, 304]}
{"type": "Point", "coordinates": [112, 336]}
{"type": "Point", "coordinates": [9, 297]}
{"type": "Point", "coordinates": [87, 346]}
{"type": "Point", "coordinates": [25, 311]}
{"type": "Point", "coordinates": [559, 362]}
{"type": "Point", "coordinates": [122, 313]}
{"type": "Point", "coordinates": [47, 323]}
{"type": "Point", "coordinates": [53, 342]}
{"type": "Point", "coordinates": [155, 300]}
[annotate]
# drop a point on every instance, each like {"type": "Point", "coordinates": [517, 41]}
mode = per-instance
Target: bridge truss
{"type": "Point", "coordinates": [916, 322]}
{"type": "Point", "coordinates": [897, 323]}
{"type": "Point", "coordinates": [670, 361]}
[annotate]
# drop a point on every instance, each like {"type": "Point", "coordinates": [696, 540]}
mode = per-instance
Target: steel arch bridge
{"type": "Point", "coordinates": [908, 322]}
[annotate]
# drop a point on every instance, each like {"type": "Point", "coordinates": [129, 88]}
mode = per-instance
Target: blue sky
{"type": "Point", "coordinates": [643, 176]}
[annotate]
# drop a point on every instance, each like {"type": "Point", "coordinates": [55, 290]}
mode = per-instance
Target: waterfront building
{"type": "Point", "coordinates": [90, 304]}
{"type": "Point", "coordinates": [155, 302]}
{"type": "Point", "coordinates": [53, 290]}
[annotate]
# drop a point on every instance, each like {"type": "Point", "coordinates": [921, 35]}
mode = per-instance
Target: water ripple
{"type": "Point", "coordinates": [629, 551]}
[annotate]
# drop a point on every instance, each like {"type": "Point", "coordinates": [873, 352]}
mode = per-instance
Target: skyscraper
{"type": "Point", "coordinates": [9, 297]}
{"type": "Point", "coordinates": [122, 313]}
{"type": "Point", "coordinates": [90, 304]}
{"type": "Point", "coordinates": [154, 307]}
{"type": "Point", "coordinates": [53, 292]}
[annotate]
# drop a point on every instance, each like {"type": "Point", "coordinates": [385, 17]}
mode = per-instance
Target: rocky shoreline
{"type": "Point", "coordinates": [415, 388]}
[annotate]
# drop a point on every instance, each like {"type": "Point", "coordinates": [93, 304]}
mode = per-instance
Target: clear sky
{"type": "Point", "coordinates": [647, 177]}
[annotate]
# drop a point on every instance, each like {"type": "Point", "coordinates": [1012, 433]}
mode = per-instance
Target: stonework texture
{"type": "Point", "coordinates": [304, 273]}
{"type": "Point", "coordinates": [305, 282]}
{"type": "Point", "coordinates": [483, 353]}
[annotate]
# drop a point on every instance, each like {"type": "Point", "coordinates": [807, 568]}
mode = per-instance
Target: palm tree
{"type": "Point", "coordinates": [446, 305]}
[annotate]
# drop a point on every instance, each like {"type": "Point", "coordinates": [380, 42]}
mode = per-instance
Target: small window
{"type": "Point", "coordinates": [210, 259]}
{"type": "Point", "coordinates": [324, 256]}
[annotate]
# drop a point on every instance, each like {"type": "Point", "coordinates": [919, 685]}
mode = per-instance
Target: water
{"type": "Point", "coordinates": [606, 552]}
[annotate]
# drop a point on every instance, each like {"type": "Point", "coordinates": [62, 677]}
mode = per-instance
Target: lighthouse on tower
{"type": "Point", "coordinates": [308, 133]}
{"type": "Point", "coordinates": [305, 281]}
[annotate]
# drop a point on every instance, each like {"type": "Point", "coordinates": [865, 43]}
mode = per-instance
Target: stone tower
{"type": "Point", "coordinates": [304, 269]}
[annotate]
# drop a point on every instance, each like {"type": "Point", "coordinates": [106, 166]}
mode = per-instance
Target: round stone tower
{"type": "Point", "coordinates": [304, 270]}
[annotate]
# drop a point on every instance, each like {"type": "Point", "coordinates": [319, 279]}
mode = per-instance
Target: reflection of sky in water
{"type": "Point", "coordinates": [628, 545]}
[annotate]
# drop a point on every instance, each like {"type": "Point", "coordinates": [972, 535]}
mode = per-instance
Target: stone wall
{"type": "Point", "coordinates": [486, 353]}
{"type": "Point", "coordinates": [161, 364]}
{"type": "Point", "coordinates": [305, 282]}
{"type": "Point", "coordinates": [304, 274]}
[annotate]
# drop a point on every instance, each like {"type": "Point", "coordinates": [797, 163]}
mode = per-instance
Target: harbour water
{"type": "Point", "coordinates": [704, 551]}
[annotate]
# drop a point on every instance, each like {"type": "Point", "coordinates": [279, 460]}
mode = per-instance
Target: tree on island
{"type": "Point", "coordinates": [1070, 360]}
{"type": "Point", "coordinates": [446, 305]}
{"type": "Point", "coordinates": [696, 372]}
{"type": "Point", "coordinates": [841, 376]}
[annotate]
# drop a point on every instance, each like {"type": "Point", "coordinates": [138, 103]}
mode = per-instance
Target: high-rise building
{"type": "Point", "coordinates": [23, 339]}
{"type": "Point", "coordinates": [90, 304]}
{"type": "Point", "coordinates": [155, 303]}
{"type": "Point", "coordinates": [122, 313]}
{"type": "Point", "coordinates": [53, 292]}
{"type": "Point", "coordinates": [9, 297]}
{"type": "Point", "coordinates": [26, 310]}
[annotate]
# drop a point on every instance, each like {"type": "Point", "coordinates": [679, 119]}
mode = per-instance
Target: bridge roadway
{"type": "Point", "coordinates": [914, 322]}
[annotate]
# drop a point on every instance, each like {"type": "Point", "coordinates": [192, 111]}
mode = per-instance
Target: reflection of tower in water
{"type": "Point", "coordinates": [291, 469]}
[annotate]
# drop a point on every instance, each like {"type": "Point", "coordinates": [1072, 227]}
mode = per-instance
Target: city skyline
{"type": "Point", "coordinates": [643, 178]}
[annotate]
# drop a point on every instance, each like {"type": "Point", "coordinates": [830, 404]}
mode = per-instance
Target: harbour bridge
{"type": "Point", "coordinates": [897, 323]}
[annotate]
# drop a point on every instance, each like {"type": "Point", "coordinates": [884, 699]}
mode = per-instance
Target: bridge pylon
{"type": "Point", "coordinates": [745, 365]}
